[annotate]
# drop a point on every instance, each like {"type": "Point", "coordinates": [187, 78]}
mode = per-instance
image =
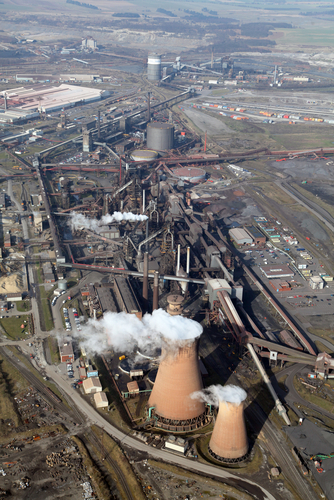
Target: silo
{"type": "Point", "coordinates": [229, 441]}
{"type": "Point", "coordinates": [160, 136]}
{"type": "Point", "coordinates": [62, 284]}
{"type": "Point", "coordinates": [154, 67]}
{"type": "Point", "coordinates": [177, 378]}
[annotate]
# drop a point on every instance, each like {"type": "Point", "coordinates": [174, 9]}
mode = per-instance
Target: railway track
{"type": "Point", "coordinates": [48, 396]}
{"type": "Point", "coordinates": [94, 440]}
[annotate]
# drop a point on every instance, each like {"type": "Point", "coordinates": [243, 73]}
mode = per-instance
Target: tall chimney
{"type": "Point", "coordinates": [98, 124]}
{"type": "Point", "coordinates": [149, 107]}
{"type": "Point", "coordinates": [177, 378]}
{"type": "Point", "coordinates": [229, 441]}
{"type": "Point", "coordinates": [156, 291]}
{"type": "Point", "coordinates": [145, 277]}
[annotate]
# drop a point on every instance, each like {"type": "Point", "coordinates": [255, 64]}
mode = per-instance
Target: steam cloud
{"type": "Point", "coordinates": [79, 221]}
{"type": "Point", "coordinates": [123, 332]}
{"type": "Point", "coordinates": [216, 393]}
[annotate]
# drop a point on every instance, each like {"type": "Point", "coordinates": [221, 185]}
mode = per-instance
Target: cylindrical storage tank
{"type": "Point", "coordinates": [177, 378]}
{"type": "Point", "coordinates": [160, 136]}
{"type": "Point", "coordinates": [144, 155]}
{"type": "Point", "coordinates": [154, 67]}
{"type": "Point", "coordinates": [229, 441]}
{"type": "Point", "coordinates": [62, 284]}
{"type": "Point", "coordinates": [174, 307]}
{"type": "Point", "coordinates": [190, 174]}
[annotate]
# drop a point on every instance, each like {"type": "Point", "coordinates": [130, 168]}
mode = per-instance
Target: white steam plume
{"type": "Point", "coordinates": [216, 393]}
{"type": "Point", "coordinates": [79, 220]}
{"type": "Point", "coordinates": [123, 332]}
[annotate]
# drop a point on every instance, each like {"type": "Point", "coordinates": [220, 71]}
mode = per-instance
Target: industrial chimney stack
{"type": "Point", "coordinates": [177, 378]}
{"type": "Point", "coordinates": [229, 441]}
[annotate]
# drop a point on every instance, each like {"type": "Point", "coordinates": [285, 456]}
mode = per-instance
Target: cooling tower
{"type": "Point", "coordinates": [178, 376]}
{"type": "Point", "coordinates": [229, 441]}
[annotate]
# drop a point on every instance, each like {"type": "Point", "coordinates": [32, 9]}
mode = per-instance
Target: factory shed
{"type": "Point", "coordinates": [255, 233]}
{"type": "Point", "coordinates": [82, 372]}
{"type": "Point", "coordinates": [282, 271]}
{"type": "Point", "coordinates": [240, 236]}
{"type": "Point", "coordinates": [126, 298]}
{"type": "Point", "coordinates": [66, 351]}
{"type": "Point", "coordinates": [316, 283]}
{"type": "Point", "coordinates": [280, 286]}
{"type": "Point", "coordinates": [101, 400]}
{"type": "Point", "coordinates": [92, 385]}
{"type": "Point", "coordinates": [176, 444]}
{"type": "Point", "coordinates": [133, 387]}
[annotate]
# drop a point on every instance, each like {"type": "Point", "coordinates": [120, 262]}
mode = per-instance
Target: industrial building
{"type": "Point", "coordinates": [126, 298]}
{"type": "Point", "coordinates": [66, 351]}
{"type": "Point", "coordinates": [278, 271]}
{"type": "Point", "coordinates": [240, 236]}
{"type": "Point", "coordinates": [256, 235]}
{"type": "Point", "coordinates": [101, 400]}
{"type": "Point", "coordinates": [46, 98]}
{"type": "Point", "coordinates": [91, 385]}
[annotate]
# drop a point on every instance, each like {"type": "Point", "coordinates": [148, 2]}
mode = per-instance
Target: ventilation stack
{"type": "Point", "coordinates": [229, 441]}
{"type": "Point", "coordinates": [177, 378]}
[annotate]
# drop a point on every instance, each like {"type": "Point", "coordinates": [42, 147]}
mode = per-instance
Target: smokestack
{"type": "Point", "coordinates": [149, 107]}
{"type": "Point", "coordinates": [229, 441]}
{"type": "Point", "coordinates": [144, 200]}
{"type": "Point", "coordinates": [5, 99]}
{"type": "Point", "coordinates": [98, 124]}
{"type": "Point", "coordinates": [145, 277]}
{"type": "Point", "coordinates": [188, 261]}
{"type": "Point", "coordinates": [174, 307]}
{"type": "Point", "coordinates": [178, 257]}
{"type": "Point", "coordinates": [178, 376]}
{"type": "Point", "coordinates": [156, 291]}
{"type": "Point", "coordinates": [120, 170]}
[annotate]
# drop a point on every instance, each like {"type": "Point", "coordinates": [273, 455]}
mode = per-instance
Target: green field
{"type": "Point", "coordinates": [12, 327]}
{"type": "Point", "coordinates": [306, 36]}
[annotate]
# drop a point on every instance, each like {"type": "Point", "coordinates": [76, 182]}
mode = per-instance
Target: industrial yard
{"type": "Point", "coordinates": [166, 251]}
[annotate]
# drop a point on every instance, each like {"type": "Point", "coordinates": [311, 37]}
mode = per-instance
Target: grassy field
{"type": "Point", "coordinates": [298, 37]}
{"type": "Point", "coordinates": [28, 365]}
{"type": "Point", "coordinates": [54, 351]}
{"type": "Point", "coordinates": [315, 199]}
{"type": "Point", "coordinates": [312, 398]}
{"type": "Point", "coordinates": [12, 327]}
{"type": "Point", "coordinates": [23, 306]}
{"type": "Point", "coordinates": [46, 309]}
{"type": "Point", "coordinates": [10, 382]}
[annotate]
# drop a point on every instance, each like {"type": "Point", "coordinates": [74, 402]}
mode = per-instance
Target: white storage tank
{"type": "Point", "coordinates": [154, 67]}
{"type": "Point", "coordinates": [62, 284]}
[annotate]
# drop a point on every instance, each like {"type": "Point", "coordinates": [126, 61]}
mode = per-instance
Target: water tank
{"type": "Point", "coordinates": [144, 155]}
{"type": "Point", "coordinates": [62, 284]}
{"type": "Point", "coordinates": [160, 136]}
{"type": "Point", "coordinates": [154, 67]}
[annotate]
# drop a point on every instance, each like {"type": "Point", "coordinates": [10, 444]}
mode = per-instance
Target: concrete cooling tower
{"type": "Point", "coordinates": [229, 441]}
{"type": "Point", "coordinates": [177, 378]}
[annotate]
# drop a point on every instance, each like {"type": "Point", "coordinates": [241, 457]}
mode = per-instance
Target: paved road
{"type": "Point", "coordinates": [292, 395]}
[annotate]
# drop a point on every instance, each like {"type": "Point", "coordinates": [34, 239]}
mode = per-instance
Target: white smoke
{"type": "Point", "coordinates": [125, 332]}
{"type": "Point", "coordinates": [214, 394]}
{"type": "Point", "coordinates": [79, 221]}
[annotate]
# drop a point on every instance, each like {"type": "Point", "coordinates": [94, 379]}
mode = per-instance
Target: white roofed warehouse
{"type": "Point", "coordinates": [240, 236]}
